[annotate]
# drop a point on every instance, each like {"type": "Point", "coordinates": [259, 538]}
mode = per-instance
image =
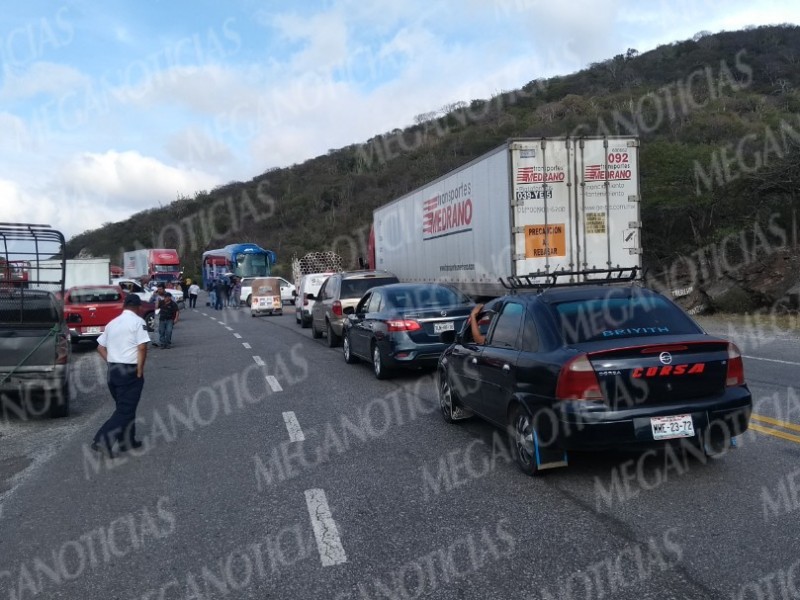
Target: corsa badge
{"type": "Point", "coordinates": [694, 369]}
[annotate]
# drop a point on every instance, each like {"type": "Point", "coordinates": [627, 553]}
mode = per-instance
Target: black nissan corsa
{"type": "Point", "coordinates": [594, 367]}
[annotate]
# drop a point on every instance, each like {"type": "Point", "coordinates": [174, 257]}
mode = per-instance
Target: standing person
{"type": "Point", "coordinates": [237, 292]}
{"type": "Point", "coordinates": [123, 345]}
{"type": "Point", "coordinates": [167, 317]}
{"type": "Point", "coordinates": [185, 283]}
{"type": "Point", "coordinates": [194, 289]}
{"type": "Point", "coordinates": [212, 293]}
{"type": "Point", "coordinates": [222, 294]}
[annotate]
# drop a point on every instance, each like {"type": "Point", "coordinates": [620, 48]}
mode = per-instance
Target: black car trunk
{"type": "Point", "coordinates": [660, 372]}
{"type": "Point", "coordinates": [436, 320]}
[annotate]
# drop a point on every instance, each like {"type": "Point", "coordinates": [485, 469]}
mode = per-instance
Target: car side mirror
{"type": "Point", "coordinates": [449, 336]}
{"type": "Point", "coordinates": [310, 296]}
{"type": "Point", "coordinates": [294, 293]}
{"type": "Point", "coordinates": [348, 310]}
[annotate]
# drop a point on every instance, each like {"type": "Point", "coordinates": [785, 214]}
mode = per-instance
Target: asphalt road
{"type": "Point", "coordinates": [274, 470]}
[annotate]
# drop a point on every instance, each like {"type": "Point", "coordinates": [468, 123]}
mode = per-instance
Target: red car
{"type": "Point", "coordinates": [89, 308]}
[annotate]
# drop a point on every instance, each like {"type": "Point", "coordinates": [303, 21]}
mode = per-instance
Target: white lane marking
{"type": "Point", "coordinates": [246, 345]}
{"type": "Point", "coordinates": [222, 323]}
{"type": "Point", "coordinates": [775, 360]}
{"type": "Point", "coordinates": [259, 361]}
{"type": "Point", "coordinates": [229, 328]}
{"type": "Point", "coordinates": [273, 383]}
{"type": "Point", "coordinates": [237, 336]}
{"type": "Point", "coordinates": [329, 545]}
{"type": "Point", "coordinates": [293, 427]}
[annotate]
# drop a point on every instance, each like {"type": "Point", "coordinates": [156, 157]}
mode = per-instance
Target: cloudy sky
{"type": "Point", "coordinates": [108, 108]}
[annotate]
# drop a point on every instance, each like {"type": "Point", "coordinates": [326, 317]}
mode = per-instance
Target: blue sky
{"type": "Point", "coordinates": [109, 108]}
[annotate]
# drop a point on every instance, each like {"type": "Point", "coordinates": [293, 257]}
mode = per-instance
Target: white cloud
{"type": "Point", "coordinates": [42, 78]}
{"type": "Point", "coordinates": [127, 180]}
{"type": "Point", "coordinates": [194, 147]}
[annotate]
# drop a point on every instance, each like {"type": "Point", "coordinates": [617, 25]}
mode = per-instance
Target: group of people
{"type": "Point", "coordinates": [224, 291]}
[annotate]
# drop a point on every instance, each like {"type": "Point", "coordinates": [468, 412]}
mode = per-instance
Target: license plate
{"type": "Point", "coordinates": [92, 330]}
{"type": "Point", "coordinates": [440, 327]}
{"type": "Point", "coordinates": [676, 426]}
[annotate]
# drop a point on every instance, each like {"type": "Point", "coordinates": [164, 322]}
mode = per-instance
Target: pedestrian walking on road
{"type": "Point", "coordinates": [237, 293]}
{"type": "Point", "coordinates": [194, 290]}
{"type": "Point", "coordinates": [167, 317]}
{"type": "Point", "coordinates": [221, 289]}
{"type": "Point", "coordinates": [123, 345]}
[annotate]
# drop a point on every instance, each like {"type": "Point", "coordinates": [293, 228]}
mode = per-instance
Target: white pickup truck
{"type": "Point", "coordinates": [134, 286]}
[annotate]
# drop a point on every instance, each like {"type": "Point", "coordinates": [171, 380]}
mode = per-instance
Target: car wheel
{"type": "Point", "coordinates": [315, 333]}
{"type": "Point", "coordinates": [523, 440]}
{"type": "Point", "coordinates": [379, 363]}
{"type": "Point", "coordinates": [59, 403]}
{"type": "Point", "coordinates": [150, 321]}
{"type": "Point", "coordinates": [349, 357]}
{"type": "Point", "coordinates": [446, 398]}
{"type": "Point", "coordinates": [333, 339]}
{"type": "Point", "coordinates": [248, 301]}
{"type": "Point", "coordinates": [304, 323]}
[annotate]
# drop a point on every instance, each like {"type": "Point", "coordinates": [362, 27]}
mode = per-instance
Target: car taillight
{"type": "Point", "coordinates": [577, 381]}
{"type": "Point", "coordinates": [735, 375]}
{"type": "Point", "coordinates": [403, 325]}
{"type": "Point", "coordinates": [62, 349]}
{"type": "Point", "coordinates": [336, 307]}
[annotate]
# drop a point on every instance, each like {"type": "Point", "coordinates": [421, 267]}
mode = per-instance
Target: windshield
{"type": "Point", "coordinates": [87, 295]}
{"type": "Point", "coordinates": [355, 288]}
{"type": "Point", "coordinates": [251, 265]}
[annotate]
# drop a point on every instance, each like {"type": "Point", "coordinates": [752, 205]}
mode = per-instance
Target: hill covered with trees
{"type": "Point", "coordinates": [719, 122]}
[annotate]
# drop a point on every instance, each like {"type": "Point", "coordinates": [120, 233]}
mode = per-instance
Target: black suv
{"type": "Point", "coordinates": [594, 367]}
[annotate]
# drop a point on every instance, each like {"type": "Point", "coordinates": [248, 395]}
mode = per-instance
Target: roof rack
{"type": "Point", "coordinates": [529, 281]}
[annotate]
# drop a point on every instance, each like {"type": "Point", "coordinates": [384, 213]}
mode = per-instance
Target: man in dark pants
{"type": "Point", "coordinates": [221, 288]}
{"type": "Point", "coordinates": [167, 317]}
{"type": "Point", "coordinates": [123, 345]}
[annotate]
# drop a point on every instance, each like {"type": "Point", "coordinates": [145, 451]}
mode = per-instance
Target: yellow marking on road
{"type": "Point", "coordinates": [771, 421]}
{"type": "Point", "coordinates": [774, 432]}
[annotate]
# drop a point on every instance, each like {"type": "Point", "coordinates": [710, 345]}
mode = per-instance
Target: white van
{"type": "Point", "coordinates": [309, 284]}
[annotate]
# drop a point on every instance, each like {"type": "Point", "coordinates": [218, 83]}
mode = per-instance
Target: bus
{"type": "Point", "coordinates": [242, 260]}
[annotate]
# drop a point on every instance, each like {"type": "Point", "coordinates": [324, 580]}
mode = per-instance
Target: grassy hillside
{"type": "Point", "coordinates": [718, 117]}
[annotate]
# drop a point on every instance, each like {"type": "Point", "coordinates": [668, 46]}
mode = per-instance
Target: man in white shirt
{"type": "Point", "coordinates": [194, 290]}
{"type": "Point", "coordinates": [123, 345]}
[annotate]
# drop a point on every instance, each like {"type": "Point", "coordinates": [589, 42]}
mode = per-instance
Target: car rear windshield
{"type": "Point", "coordinates": [621, 317]}
{"type": "Point", "coordinates": [36, 309]}
{"type": "Point", "coordinates": [426, 296]}
{"type": "Point", "coordinates": [91, 295]}
{"type": "Point", "coordinates": [355, 288]}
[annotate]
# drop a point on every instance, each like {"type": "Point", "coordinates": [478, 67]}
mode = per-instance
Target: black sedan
{"type": "Point", "coordinates": [399, 325]}
{"type": "Point", "coordinates": [594, 367]}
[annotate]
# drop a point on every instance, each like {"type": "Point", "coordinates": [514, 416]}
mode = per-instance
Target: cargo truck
{"type": "Point", "coordinates": [77, 271]}
{"type": "Point", "coordinates": [152, 264]}
{"type": "Point", "coordinates": [550, 209]}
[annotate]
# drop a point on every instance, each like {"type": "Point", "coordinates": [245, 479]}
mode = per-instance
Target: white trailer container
{"type": "Point", "coordinates": [77, 271]}
{"type": "Point", "coordinates": [136, 264]}
{"type": "Point", "coordinates": [532, 207]}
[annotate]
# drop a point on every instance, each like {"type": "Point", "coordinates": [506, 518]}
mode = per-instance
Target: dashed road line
{"type": "Point", "coordinates": [229, 328]}
{"type": "Point", "coordinates": [237, 336]}
{"type": "Point", "coordinates": [259, 361]}
{"type": "Point", "coordinates": [273, 383]}
{"type": "Point", "coordinates": [246, 345]}
{"type": "Point", "coordinates": [331, 551]}
{"type": "Point", "coordinates": [293, 427]}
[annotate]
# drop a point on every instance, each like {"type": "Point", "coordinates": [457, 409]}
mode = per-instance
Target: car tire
{"type": "Point", "coordinates": [150, 321]}
{"type": "Point", "coordinates": [333, 339]}
{"type": "Point", "coordinates": [379, 363]}
{"type": "Point", "coordinates": [249, 301]}
{"type": "Point", "coordinates": [349, 357]}
{"type": "Point", "coordinates": [315, 333]}
{"type": "Point", "coordinates": [447, 398]}
{"type": "Point", "coordinates": [304, 323]}
{"type": "Point", "coordinates": [59, 403]}
{"type": "Point", "coordinates": [522, 435]}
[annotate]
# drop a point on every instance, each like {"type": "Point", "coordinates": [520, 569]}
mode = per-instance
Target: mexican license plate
{"type": "Point", "coordinates": [440, 327]}
{"type": "Point", "coordinates": [92, 330]}
{"type": "Point", "coordinates": [675, 426]}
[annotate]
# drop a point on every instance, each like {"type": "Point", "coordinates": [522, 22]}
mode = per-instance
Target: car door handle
{"type": "Point", "coordinates": [506, 368]}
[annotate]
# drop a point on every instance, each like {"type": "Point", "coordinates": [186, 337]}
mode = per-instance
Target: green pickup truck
{"type": "Point", "coordinates": [35, 354]}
